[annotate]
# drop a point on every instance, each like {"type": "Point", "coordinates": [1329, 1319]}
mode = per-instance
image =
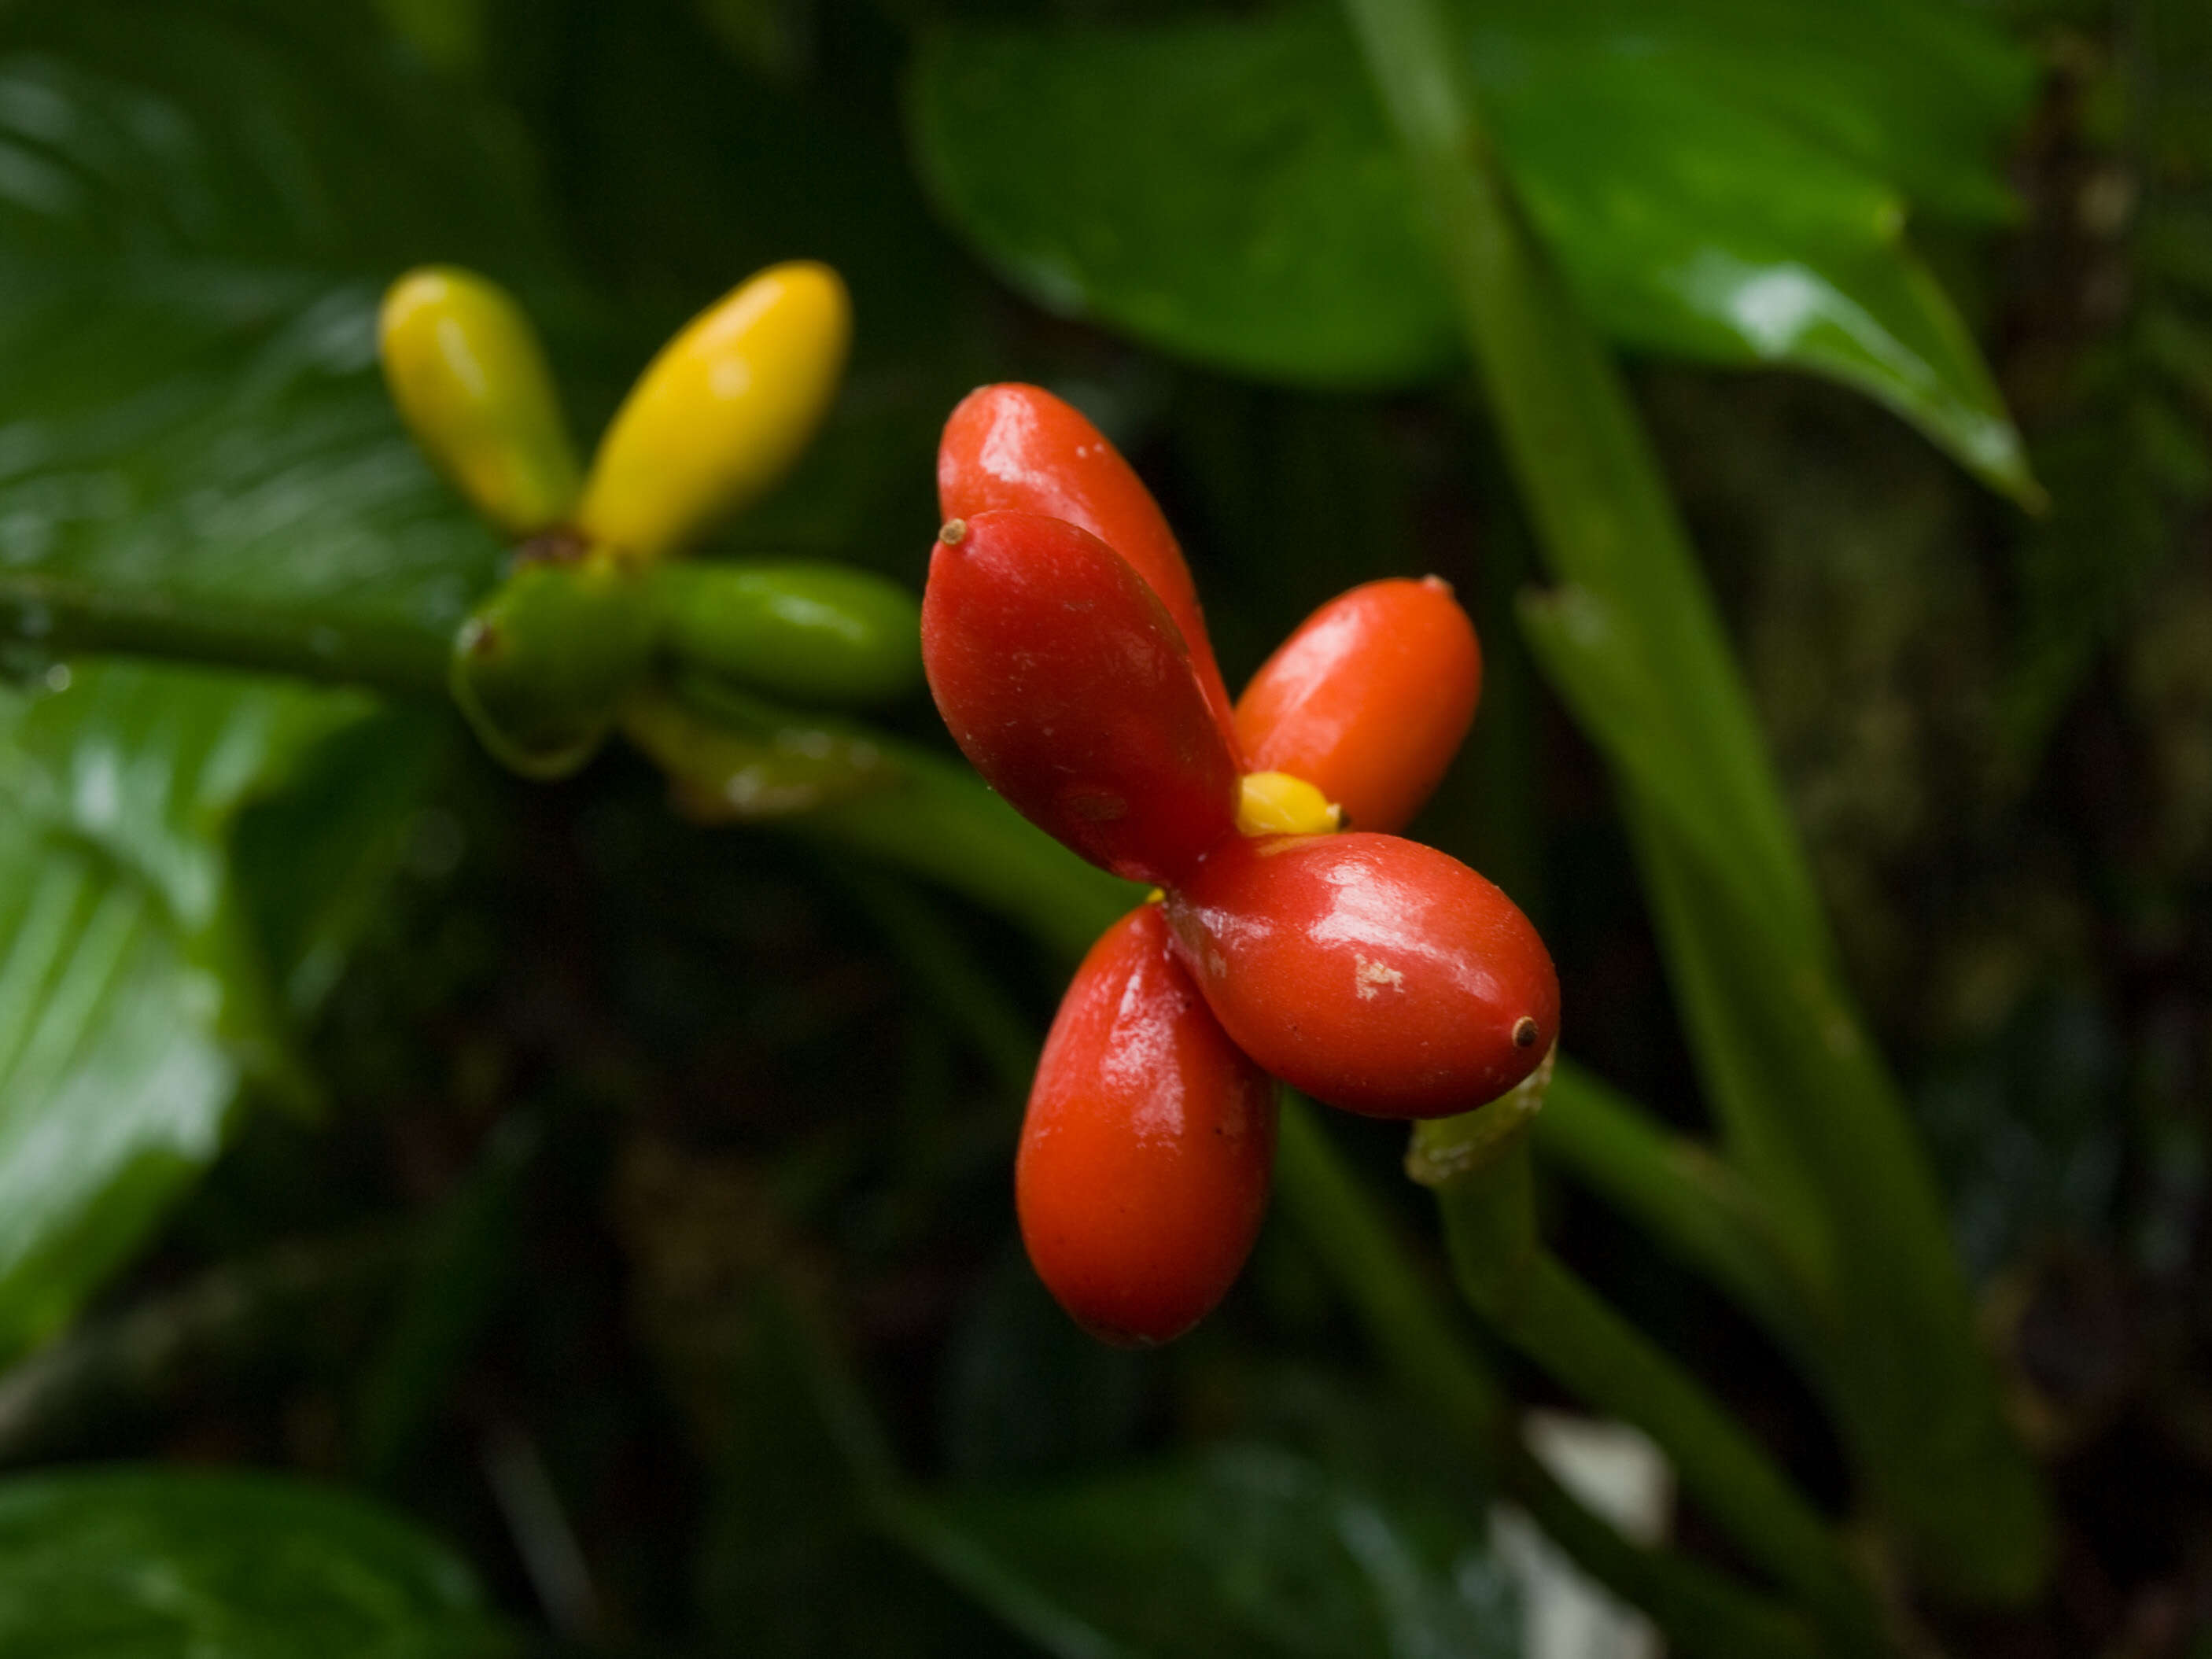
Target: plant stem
{"type": "Point", "coordinates": [938, 820]}
{"type": "Point", "coordinates": [1634, 640]}
{"type": "Point", "coordinates": [1690, 1200]}
{"type": "Point", "coordinates": [1593, 485]}
{"type": "Point", "coordinates": [1426, 1347]}
{"type": "Point", "coordinates": [54, 614]}
{"type": "Point", "coordinates": [1422, 1344]}
{"type": "Point", "coordinates": [1543, 1310]}
{"type": "Point", "coordinates": [1696, 1609]}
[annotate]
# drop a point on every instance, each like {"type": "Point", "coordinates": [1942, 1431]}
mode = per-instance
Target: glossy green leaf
{"type": "Point", "coordinates": [1913, 1391]}
{"type": "Point", "coordinates": [114, 1087]}
{"type": "Point", "coordinates": [157, 1563]}
{"type": "Point", "coordinates": [134, 998]}
{"type": "Point", "coordinates": [200, 206]}
{"type": "Point", "coordinates": [1225, 191]}
{"type": "Point", "coordinates": [1249, 1550]}
{"type": "Point", "coordinates": [1809, 1115]}
{"type": "Point", "coordinates": [1716, 184]}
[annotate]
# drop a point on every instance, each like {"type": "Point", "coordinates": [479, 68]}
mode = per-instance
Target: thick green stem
{"type": "Point", "coordinates": [1634, 640]}
{"type": "Point", "coordinates": [1692, 1202]}
{"type": "Point", "coordinates": [1592, 486]}
{"type": "Point", "coordinates": [1555, 1319]}
{"type": "Point", "coordinates": [1424, 1345]}
{"type": "Point", "coordinates": [841, 785]}
{"type": "Point", "coordinates": [936, 819]}
{"type": "Point", "coordinates": [1699, 1612]}
{"type": "Point", "coordinates": [1427, 1348]}
{"type": "Point", "coordinates": [64, 617]}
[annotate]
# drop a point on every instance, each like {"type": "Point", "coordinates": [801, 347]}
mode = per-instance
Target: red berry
{"type": "Point", "coordinates": [1064, 680]}
{"type": "Point", "coordinates": [1019, 448]}
{"type": "Point", "coordinates": [1145, 1157]}
{"type": "Point", "coordinates": [1367, 701]}
{"type": "Point", "coordinates": [1375, 974]}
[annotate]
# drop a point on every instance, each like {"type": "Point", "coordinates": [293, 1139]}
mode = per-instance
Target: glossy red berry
{"type": "Point", "coordinates": [1019, 448]}
{"type": "Point", "coordinates": [1374, 974]}
{"type": "Point", "coordinates": [1145, 1155]}
{"type": "Point", "coordinates": [1369, 700]}
{"type": "Point", "coordinates": [1066, 683]}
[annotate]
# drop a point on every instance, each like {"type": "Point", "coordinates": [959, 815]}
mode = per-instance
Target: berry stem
{"type": "Point", "coordinates": [55, 614]}
{"type": "Point", "coordinates": [1426, 1344]}
{"type": "Point", "coordinates": [1547, 1313]}
{"type": "Point", "coordinates": [1633, 641]}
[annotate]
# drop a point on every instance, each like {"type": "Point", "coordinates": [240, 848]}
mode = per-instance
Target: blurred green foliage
{"type": "Point", "coordinates": [625, 1200]}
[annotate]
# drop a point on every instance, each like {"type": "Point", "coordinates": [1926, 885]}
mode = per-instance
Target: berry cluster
{"type": "Point", "coordinates": [1293, 933]}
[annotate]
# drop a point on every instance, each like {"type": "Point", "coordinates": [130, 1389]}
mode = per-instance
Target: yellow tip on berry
{"type": "Point", "coordinates": [1277, 804]}
{"type": "Point", "coordinates": [471, 381]}
{"type": "Point", "coordinates": [721, 415]}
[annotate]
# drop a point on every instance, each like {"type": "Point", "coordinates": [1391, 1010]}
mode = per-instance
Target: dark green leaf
{"type": "Point", "coordinates": [792, 1539]}
{"type": "Point", "coordinates": [1913, 1391]}
{"type": "Point", "coordinates": [150, 1564]}
{"type": "Point", "coordinates": [114, 1088]}
{"type": "Point", "coordinates": [133, 998]}
{"type": "Point", "coordinates": [1247, 1551]}
{"type": "Point", "coordinates": [1224, 190]}
{"type": "Point", "coordinates": [203, 204]}
{"type": "Point", "coordinates": [199, 203]}
{"type": "Point", "coordinates": [1714, 182]}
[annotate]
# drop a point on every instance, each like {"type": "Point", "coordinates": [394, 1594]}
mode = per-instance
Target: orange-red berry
{"type": "Point", "coordinates": [1063, 642]}
{"type": "Point", "coordinates": [1369, 700]}
{"type": "Point", "coordinates": [1064, 680]}
{"type": "Point", "coordinates": [1374, 972]}
{"type": "Point", "coordinates": [1145, 1157]}
{"type": "Point", "coordinates": [1019, 447]}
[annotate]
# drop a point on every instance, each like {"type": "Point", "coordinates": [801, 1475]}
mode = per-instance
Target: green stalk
{"type": "Point", "coordinates": [66, 617]}
{"type": "Point", "coordinates": [1690, 1200]}
{"type": "Point", "coordinates": [846, 786]}
{"type": "Point", "coordinates": [1592, 485]}
{"type": "Point", "coordinates": [936, 819]}
{"type": "Point", "coordinates": [1424, 1345]}
{"type": "Point", "coordinates": [1543, 1310]}
{"type": "Point", "coordinates": [1427, 1348]}
{"type": "Point", "coordinates": [1634, 642]}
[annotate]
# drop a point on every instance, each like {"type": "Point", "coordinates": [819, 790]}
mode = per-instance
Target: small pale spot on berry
{"type": "Point", "coordinates": [953, 531]}
{"type": "Point", "coordinates": [1368, 979]}
{"type": "Point", "coordinates": [1524, 1032]}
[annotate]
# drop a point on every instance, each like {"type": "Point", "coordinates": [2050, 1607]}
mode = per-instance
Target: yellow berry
{"type": "Point", "coordinates": [719, 417]}
{"type": "Point", "coordinates": [466, 370]}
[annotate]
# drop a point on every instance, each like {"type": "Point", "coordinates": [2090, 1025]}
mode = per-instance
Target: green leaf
{"type": "Point", "coordinates": [1249, 1550]}
{"type": "Point", "coordinates": [1912, 1389]}
{"type": "Point", "coordinates": [313, 860]}
{"type": "Point", "coordinates": [133, 997]}
{"type": "Point", "coordinates": [156, 1564]}
{"type": "Point", "coordinates": [200, 205]}
{"type": "Point", "coordinates": [1715, 184]}
{"type": "Point", "coordinates": [1223, 190]}
{"type": "Point", "coordinates": [114, 1088]}
{"type": "Point", "coordinates": [1810, 1117]}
